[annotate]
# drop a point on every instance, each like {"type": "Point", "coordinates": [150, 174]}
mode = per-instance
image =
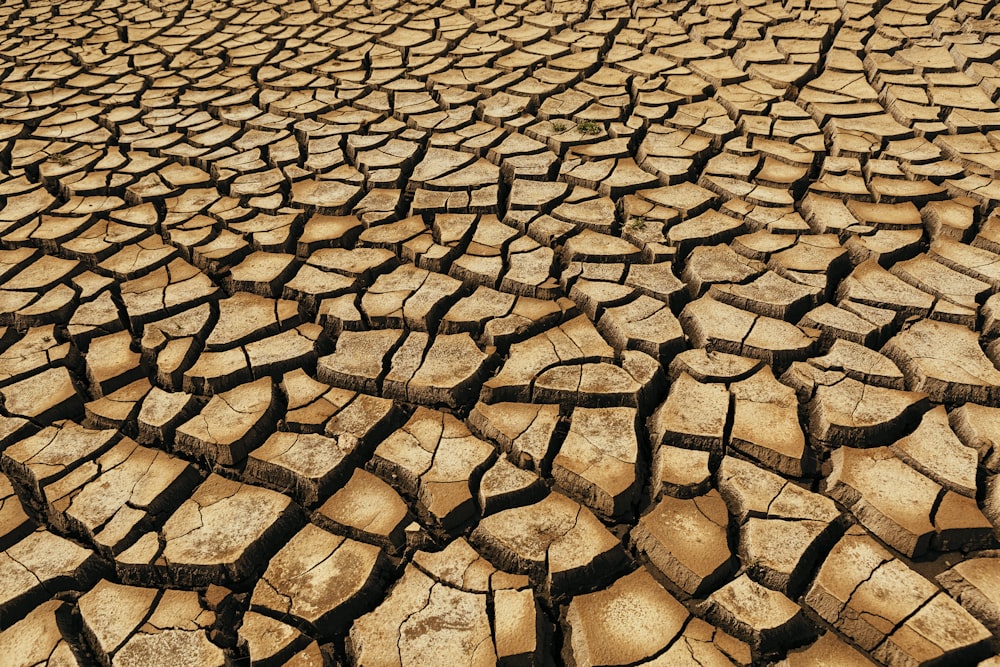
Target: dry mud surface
{"type": "Point", "coordinates": [443, 334]}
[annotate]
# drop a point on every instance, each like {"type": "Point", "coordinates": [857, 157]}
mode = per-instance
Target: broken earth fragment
{"type": "Point", "coordinates": [422, 622]}
{"type": "Point", "coordinates": [114, 622]}
{"type": "Point", "coordinates": [555, 541]}
{"type": "Point", "coordinates": [35, 566]}
{"type": "Point", "coordinates": [687, 542]}
{"type": "Point", "coordinates": [765, 619]}
{"type": "Point", "coordinates": [634, 619]}
{"type": "Point", "coordinates": [321, 579]}
{"type": "Point", "coordinates": [366, 509]}
{"type": "Point", "coordinates": [202, 544]}
{"type": "Point", "coordinates": [39, 636]}
{"type": "Point", "coordinates": [231, 424]}
{"type": "Point", "coordinates": [597, 463]}
{"type": "Point", "coordinates": [436, 460]}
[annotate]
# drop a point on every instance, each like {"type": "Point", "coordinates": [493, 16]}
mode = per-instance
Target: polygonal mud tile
{"type": "Point", "coordinates": [687, 542]}
{"type": "Point", "coordinates": [366, 509]}
{"type": "Point", "coordinates": [268, 641]}
{"type": "Point", "coordinates": [307, 466]}
{"type": "Point", "coordinates": [321, 579]}
{"type": "Point", "coordinates": [231, 424]}
{"type": "Point", "coordinates": [435, 459]}
{"type": "Point", "coordinates": [765, 619]}
{"type": "Point", "coordinates": [44, 457]}
{"type": "Point", "coordinates": [597, 463]}
{"type": "Point", "coordinates": [40, 638]}
{"type": "Point", "coordinates": [128, 625]}
{"type": "Point", "coordinates": [631, 621]}
{"type": "Point", "coordinates": [555, 541]}
{"type": "Point", "coordinates": [202, 543]}
{"type": "Point", "coordinates": [39, 565]}
{"type": "Point", "coordinates": [421, 622]}
{"type": "Point", "coordinates": [827, 650]}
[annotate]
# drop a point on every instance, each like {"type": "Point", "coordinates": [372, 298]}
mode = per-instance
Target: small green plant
{"type": "Point", "coordinates": [589, 127]}
{"type": "Point", "coordinates": [61, 160]}
{"type": "Point", "coordinates": [559, 126]}
{"type": "Point", "coordinates": [637, 223]}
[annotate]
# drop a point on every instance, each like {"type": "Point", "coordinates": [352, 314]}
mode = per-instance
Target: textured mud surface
{"type": "Point", "coordinates": [561, 332]}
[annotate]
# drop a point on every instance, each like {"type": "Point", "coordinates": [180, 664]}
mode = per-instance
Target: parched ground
{"type": "Point", "coordinates": [445, 334]}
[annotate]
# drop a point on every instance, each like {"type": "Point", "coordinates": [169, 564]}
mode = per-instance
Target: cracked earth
{"type": "Point", "coordinates": [526, 332]}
